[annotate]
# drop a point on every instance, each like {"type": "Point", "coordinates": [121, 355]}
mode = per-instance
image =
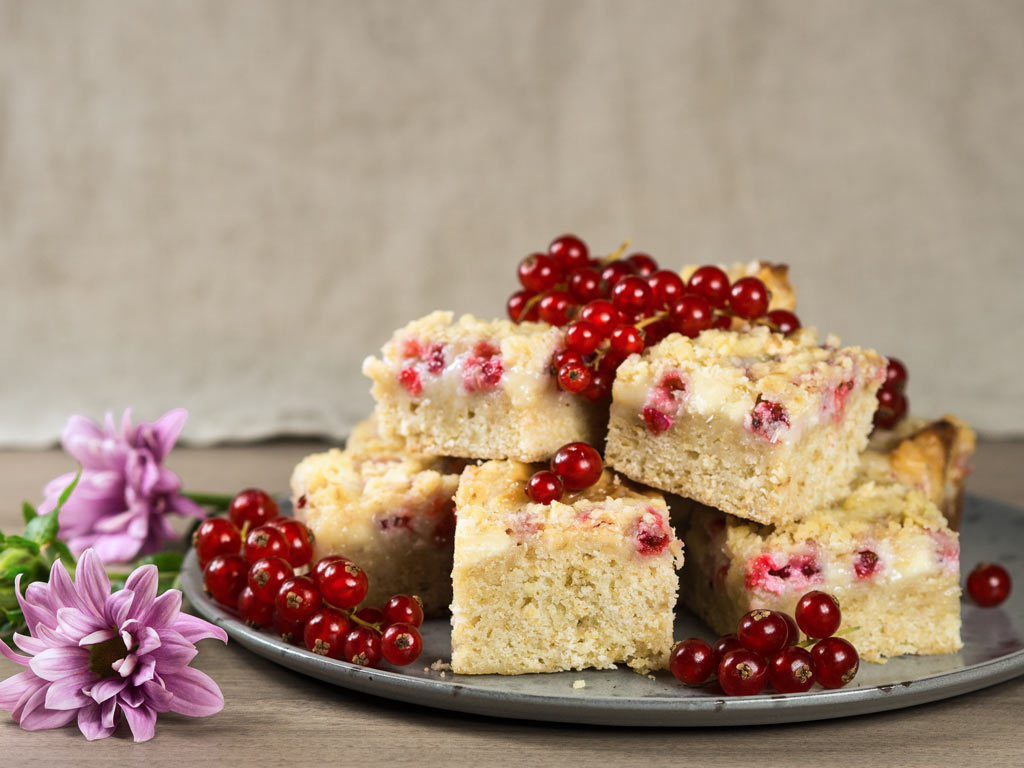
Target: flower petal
{"type": "Point", "coordinates": [13, 655]}
{"type": "Point", "coordinates": [192, 628]}
{"type": "Point", "coordinates": [90, 723]}
{"type": "Point", "coordinates": [57, 663]}
{"type": "Point", "coordinates": [34, 715]}
{"type": "Point", "coordinates": [142, 721]}
{"type": "Point", "coordinates": [164, 610]}
{"type": "Point", "coordinates": [195, 693]}
{"type": "Point", "coordinates": [143, 582]}
{"type": "Point", "coordinates": [144, 673]}
{"type": "Point", "coordinates": [28, 644]}
{"type": "Point", "coordinates": [119, 606]}
{"type": "Point", "coordinates": [99, 636]}
{"type": "Point", "coordinates": [166, 430]}
{"type": "Point", "coordinates": [157, 697]}
{"type": "Point", "coordinates": [148, 641]}
{"type": "Point", "coordinates": [106, 688]}
{"type": "Point", "coordinates": [76, 624]}
{"type": "Point", "coordinates": [62, 589]}
{"type": "Point", "coordinates": [68, 693]}
{"type": "Point", "coordinates": [36, 604]}
{"type": "Point", "coordinates": [16, 689]}
{"type": "Point", "coordinates": [125, 666]}
{"type": "Point", "coordinates": [115, 548]}
{"type": "Point", "coordinates": [92, 580]}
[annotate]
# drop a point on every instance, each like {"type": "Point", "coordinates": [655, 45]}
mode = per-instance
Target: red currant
{"type": "Point", "coordinates": [794, 631]}
{"type": "Point", "coordinates": [325, 632]}
{"type": "Point", "coordinates": [711, 283]}
{"type": "Point", "coordinates": [216, 536]}
{"type": "Point", "coordinates": [742, 673]}
{"type": "Point", "coordinates": [612, 273]}
{"type": "Point", "coordinates": [539, 272]}
{"type": "Point", "coordinates": [748, 298]}
{"type": "Point", "coordinates": [224, 578]}
{"type": "Point", "coordinates": [322, 563]}
{"type": "Point", "coordinates": [557, 308]}
{"type": "Point", "coordinates": [600, 388]}
{"type": "Point", "coordinates": [253, 507]}
{"type": "Point", "coordinates": [791, 670]}
{"type": "Point", "coordinates": [723, 645]}
{"type": "Point", "coordinates": [405, 609]}
{"type": "Point", "coordinates": [265, 541]}
{"type": "Point", "coordinates": [626, 340]}
{"type": "Point", "coordinates": [585, 285]}
{"type": "Point", "coordinates": [988, 584]}
{"type": "Point", "coordinates": [565, 357]}
{"type": "Point", "coordinates": [370, 615]}
{"type": "Point", "coordinates": [401, 644]}
{"type": "Point", "coordinates": [289, 631]}
{"type": "Point", "coordinates": [656, 331]}
{"type": "Point", "coordinates": [570, 252]}
{"type": "Point", "coordinates": [690, 315]}
{"type": "Point", "coordinates": [574, 377]}
{"type": "Point", "coordinates": [786, 322]}
{"type": "Point", "coordinates": [582, 337]}
{"type": "Point", "coordinates": [298, 599]}
{"type": "Point", "coordinates": [578, 464]}
{"type": "Point", "coordinates": [692, 661]}
{"type": "Point", "coordinates": [631, 295]}
{"type": "Point", "coordinates": [266, 577]}
{"type": "Point", "coordinates": [892, 406]}
{"type": "Point", "coordinates": [343, 584]}
{"type": "Point", "coordinates": [818, 615]}
{"type": "Point", "coordinates": [643, 264]}
{"type": "Point", "coordinates": [895, 375]}
{"type": "Point", "coordinates": [764, 632]}
{"type": "Point", "coordinates": [299, 538]}
{"type": "Point", "coordinates": [517, 310]}
{"type": "Point", "coordinates": [362, 646]}
{"type": "Point", "coordinates": [835, 662]}
{"type": "Point", "coordinates": [722, 322]}
{"type": "Point", "coordinates": [544, 487]}
{"type": "Point", "coordinates": [253, 611]}
{"type": "Point", "coordinates": [666, 288]}
{"type": "Point", "coordinates": [602, 315]}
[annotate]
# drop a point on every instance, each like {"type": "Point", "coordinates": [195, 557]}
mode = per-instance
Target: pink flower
{"type": "Point", "coordinates": [122, 500]}
{"type": "Point", "coordinates": [93, 654]}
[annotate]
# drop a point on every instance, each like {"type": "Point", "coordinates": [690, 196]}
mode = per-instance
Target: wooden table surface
{"type": "Point", "coordinates": [273, 716]}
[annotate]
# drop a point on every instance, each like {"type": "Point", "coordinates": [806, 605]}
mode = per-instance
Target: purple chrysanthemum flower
{"type": "Point", "coordinates": [120, 505]}
{"type": "Point", "coordinates": [93, 653]}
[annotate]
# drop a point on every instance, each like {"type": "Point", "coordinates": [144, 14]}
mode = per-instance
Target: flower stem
{"type": "Point", "coordinates": [209, 499]}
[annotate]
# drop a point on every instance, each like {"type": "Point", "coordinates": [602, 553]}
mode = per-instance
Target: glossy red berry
{"type": "Point", "coordinates": [602, 315]}
{"type": "Point", "coordinates": [224, 578]}
{"type": "Point", "coordinates": [565, 357]}
{"type": "Point", "coordinates": [253, 507]}
{"type": "Point", "coordinates": [517, 307]}
{"type": "Point", "coordinates": [742, 673]}
{"type": "Point", "coordinates": [574, 377]}
{"type": "Point", "coordinates": [544, 487]}
{"type": "Point", "coordinates": [557, 308]}
{"type": "Point", "coordinates": [299, 538]}
{"type": "Point", "coordinates": [362, 647]}
{"type": "Point", "coordinates": [253, 611]}
{"type": "Point", "coordinates": [748, 298]}
{"type": "Point", "coordinates": [266, 576]}
{"type": "Point", "coordinates": [343, 584]}
{"type": "Point", "coordinates": [406, 609]}
{"type": "Point", "coordinates": [289, 631]}
{"type": "Point", "coordinates": [895, 375]}
{"type": "Point", "coordinates": [692, 661]}
{"type": "Point", "coordinates": [325, 632]}
{"type": "Point", "coordinates": [818, 615]}
{"type": "Point", "coordinates": [722, 323]}
{"type": "Point", "coordinates": [370, 615]}
{"type": "Point", "coordinates": [989, 584]}
{"type": "Point", "coordinates": [656, 331]}
{"type": "Point", "coordinates": [690, 315]}
{"type": "Point", "coordinates": [791, 670]}
{"type": "Point", "coordinates": [539, 272]}
{"type": "Point", "coordinates": [794, 631]}
{"type": "Point", "coordinates": [667, 287]}
{"type": "Point", "coordinates": [216, 536]}
{"type": "Point", "coordinates": [578, 464]}
{"type": "Point", "coordinates": [323, 563]}
{"type": "Point", "coordinates": [892, 406]}
{"type": "Point", "coordinates": [612, 273]}
{"type": "Point", "coordinates": [764, 632]}
{"type": "Point", "coordinates": [631, 295]}
{"type": "Point", "coordinates": [711, 283]}
{"type": "Point", "coordinates": [626, 340]}
{"type": "Point", "coordinates": [582, 337]}
{"type": "Point", "coordinates": [835, 662]}
{"type": "Point", "coordinates": [570, 252]}
{"type": "Point", "coordinates": [784, 321]}
{"type": "Point", "coordinates": [600, 388]}
{"type": "Point", "coordinates": [401, 644]}
{"type": "Point", "coordinates": [298, 599]}
{"type": "Point", "coordinates": [265, 541]}
{"type": "Point", "coordinates": [585, 285]}
{"type": "Point", "coordinates": [643, 264]}
{"type": "Point", "coordinates": [723, 645]}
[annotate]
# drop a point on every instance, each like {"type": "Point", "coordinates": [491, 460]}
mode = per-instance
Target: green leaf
{"type": "Point", "coordinates": [43, 529]}
{"type": "Point", "coordinates": [20, 542]}
{"type": "Point", "coordinates": [66, 493]}
{"type": "Point", "coordinates": [164, 561]}
{"type": "Point", "coordinates": [28, 512]}
{"type": "Point", "coordinates": [57, 549]}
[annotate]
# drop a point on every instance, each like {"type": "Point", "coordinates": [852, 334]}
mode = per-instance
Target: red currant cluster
{"type": "Point", "coordinates": [989, 584]}
{"type": "Point", "coordinates": [615, 307]}
{"type": "Point", "coordinates": [892, 402]}
{"type": "Point", "coordinates": [320, 608]}
{"type": "Point", "coordinates": [574, 466]}
{"type": "Point", "coordinates": [767, 649]}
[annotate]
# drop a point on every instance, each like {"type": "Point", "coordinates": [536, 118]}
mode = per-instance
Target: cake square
{"type": "Point", "coordinates": [478, 389]}
{"type": "Point", "coordinates": [757, 424]}
{"type": "Point", "coordinates": [389, 511]}
{"type": "Point", "coordinates": [587, 582]}
{"type": "Point", "coordinates": [885, 552]}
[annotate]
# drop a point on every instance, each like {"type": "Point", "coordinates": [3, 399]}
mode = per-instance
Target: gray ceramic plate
{"type": "Point", "coordinates": [993, 652]}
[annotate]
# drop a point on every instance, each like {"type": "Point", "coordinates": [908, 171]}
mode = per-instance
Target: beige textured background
{"type": "Point", "coordinates": [226, 205]}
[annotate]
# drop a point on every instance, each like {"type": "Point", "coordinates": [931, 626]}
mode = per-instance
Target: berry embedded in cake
{"type": "Point", "coordinates": [478, 389]}
{"type": "Point", "coordinates": [588, 581]}
{"type": "Point", "coordinates": [885, 553]}
{"type": "Point", "coordinates": [391, 512]}
{"type": "Point", "coordinates": [757, 424]}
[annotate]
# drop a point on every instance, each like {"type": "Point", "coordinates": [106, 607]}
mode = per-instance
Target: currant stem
{"type": "Point", "coordinates": [615, 255]}
{"type": "Point", "coordinates": [812, 640]}
{"type": "Point", "coordinates": [363, 623]}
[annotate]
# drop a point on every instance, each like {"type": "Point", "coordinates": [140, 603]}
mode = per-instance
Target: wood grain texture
{"type": "Point", "coordinates": [275, 717]}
